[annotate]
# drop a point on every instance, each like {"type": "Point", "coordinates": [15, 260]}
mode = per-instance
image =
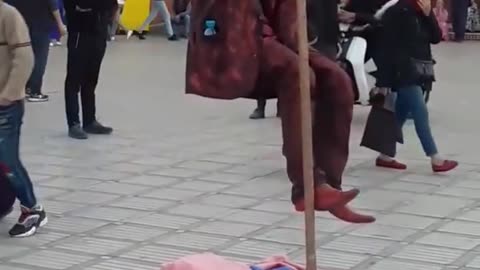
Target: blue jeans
{"type": "Point", "coordinates": [410, 101]}
{"type": "Point", "coordinates": [185, 21]}
{"type": "Point", "coordinates": [10, 164]}
{"type": "Point", "coordinates": [41, 48]}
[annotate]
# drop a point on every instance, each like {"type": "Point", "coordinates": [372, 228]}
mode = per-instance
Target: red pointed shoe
{"type": "Point", "coordinates": [348, 215]}
{"type": "Point", "coordinates": [447, 166]}
{"type": "Point", "coordinates": [393, 164]}
{"type": "Point", "coordinates": [327, 198]}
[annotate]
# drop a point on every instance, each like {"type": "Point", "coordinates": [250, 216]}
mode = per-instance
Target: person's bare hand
{"type": "Point", "coordinates": [345, 16]}
{"type": "Point", "coordinates": [62, 29]}
{"type": "Point", "coordinates": [426, 6]}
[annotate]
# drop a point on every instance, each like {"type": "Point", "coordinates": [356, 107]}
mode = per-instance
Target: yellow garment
{"type": "Point", "coordinates": [135, 12]}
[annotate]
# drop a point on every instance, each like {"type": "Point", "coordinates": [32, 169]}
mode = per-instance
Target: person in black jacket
{"type": "Point", "coordinates": [88, 22]}
{"type": "Point", "coordinates": [360, 13]}
{"type": "Point", "coordinates": [459, 18]}
{"type": "Point", "coordinates": [409, 27]}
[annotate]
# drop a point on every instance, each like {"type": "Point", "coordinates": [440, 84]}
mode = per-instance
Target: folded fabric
{"type": "Point", "coordinates": [205, 261]}
{"type": "Point", "coordinates": [209, 261]}
{"type": "Point", "coordinates": [277, 263]}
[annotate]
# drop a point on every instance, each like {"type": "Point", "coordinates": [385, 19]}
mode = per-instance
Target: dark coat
{"type": "Point", "coordinates": [406, 33]}
{"type": "Point", "coordinates": [323, 25]}
{"type": "Point", "coordinates": [364, 10]}
{"type": "Point", "coordinates": [365, 14]}
{"type": "Point", "coordinates": [180, 6]}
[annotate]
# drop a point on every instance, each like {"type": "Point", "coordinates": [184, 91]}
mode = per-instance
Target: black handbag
{"type": "Point", "coordinates": [423, 70]}
{"type": "Point", "coordinates": [382, 132]}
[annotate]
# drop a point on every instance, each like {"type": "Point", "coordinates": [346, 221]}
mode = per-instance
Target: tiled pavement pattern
{"type": "Point", "coordinates": [183, 175]}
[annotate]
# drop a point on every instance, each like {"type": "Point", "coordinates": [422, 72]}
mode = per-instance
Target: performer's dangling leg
{"type": "Point", "coordinates": [333, 112]}
{"type": "Point", "coordinates": [281, 63]}
{"type": "Point", "coordinates": [333, 115]}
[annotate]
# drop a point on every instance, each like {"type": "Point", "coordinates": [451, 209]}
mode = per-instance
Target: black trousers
{"type": "Point", "coordinates": [85, 55]}
{"type": "Point", "coordinates": [459, 18]}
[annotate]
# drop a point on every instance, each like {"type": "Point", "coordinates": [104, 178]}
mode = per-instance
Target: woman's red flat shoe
{"type": "Point", "coordinates": [447, 166]}
{"type": "Point", "coordinates": [393, 164]}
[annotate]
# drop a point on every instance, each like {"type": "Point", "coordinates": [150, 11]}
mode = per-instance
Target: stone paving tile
{"type": "Point", "coordinates": [121, 264]}
{"type": "Point", "coordinates": [52, 259]}
{"type": "Point", "coordinates": [402, 265]}
{"type": "Point", "coordinates": [204, 178]}
{"type": "Point", "coordinates": [197, 241]}
{"type": "Point", "coordinates": [227, 228]}
{"type": "Point", "coordinates": [429, 254]}
{"type": "Point", "coordinates": [131, 232]}
{"type": "Point", "coordinates": [259, 249]}
{"type": "Point", "coordinates": [150, 180]}
{"type": "Point", "coordinates": [92, 245]}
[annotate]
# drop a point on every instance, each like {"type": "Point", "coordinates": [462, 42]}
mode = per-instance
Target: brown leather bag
{"type": "Point", "coordinates": [224, 65]}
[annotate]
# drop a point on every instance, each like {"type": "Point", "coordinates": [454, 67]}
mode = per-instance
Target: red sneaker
{"type": "Point", "coordinates": [348, 215]}
{"type": "Point", "coordinates": [327, 198]}
{"type": "Point", "coordinates": [447, 165]}
{"type": "Point", "coordinates": [393, 164]}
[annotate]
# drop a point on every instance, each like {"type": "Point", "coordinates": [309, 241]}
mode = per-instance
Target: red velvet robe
{"type": "Point", "coordinates": [254, 55]}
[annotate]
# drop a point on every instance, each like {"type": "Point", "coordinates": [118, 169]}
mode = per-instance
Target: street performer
{"type": "Point", "coordinates": [248, 49]}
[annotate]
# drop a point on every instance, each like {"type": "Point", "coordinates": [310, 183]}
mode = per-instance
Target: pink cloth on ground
{"type": "Point", "coordinates": [278, 261]}
{"type": "Point", "coordinates": [442, 18]}
{"type": "Point", "coordinates": [205, 261]}
{"type": "Point", "coordinates": [209, 261]}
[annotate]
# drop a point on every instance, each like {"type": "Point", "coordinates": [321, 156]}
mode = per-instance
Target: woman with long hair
{"type": "Point", "coordinates": [406, 67]}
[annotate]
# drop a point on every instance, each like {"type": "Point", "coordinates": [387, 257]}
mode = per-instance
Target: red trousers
{"type": "Point", "coordinates": [332, 108]}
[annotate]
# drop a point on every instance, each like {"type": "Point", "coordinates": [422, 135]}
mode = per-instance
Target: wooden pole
{"type": "Point", "coordinates": [306, 124]}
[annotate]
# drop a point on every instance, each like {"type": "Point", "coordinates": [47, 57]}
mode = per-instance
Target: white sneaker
{"type": "Point", "coordinates": [129, 34]}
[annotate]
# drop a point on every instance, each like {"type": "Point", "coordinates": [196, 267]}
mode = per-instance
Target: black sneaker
{"type": "Point", "coordinates": [258, 114]}
{"type": "Point", "coordinates": [173, 37]}
{"type": "Point", "coordinates": [29, 222]}
{"type": "Point", "coordinates": [37, 98]}
{"type": "Point", "coordinates": [97, 129]}
{"type": "Point", "coordinates": [77, 132]}
{"type": "Point", "coordinates": [140, 35]}
{"type": "Point", "coordinates": [28, 93]}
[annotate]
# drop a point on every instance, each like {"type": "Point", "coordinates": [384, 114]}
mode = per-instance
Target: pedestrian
{"type": "Point", "coordinates": [406, 65]}
{"type": "Point", "coordinates": [87, 41]}
{"type": "Point", "coordinates": [183, 16]}
{"type": "Point", "coordinates": [441, 14]}
{"type": "Point", "coordinates": [473, 18]}
{"type": "Point", "coordinates": [459, 18]}
{"type": "Point", "coordinates": [55, 35]}
{"type": "Point", "coordinates": [17, 59]}
{"type": "Point", "coordinates": [158, 6]}
{"type": "Point", "coordinates": [41, 16]}
{"type": "Point", "coordinates": [113, 26]}
{"type": "Point", "coordinates": [360, 13]}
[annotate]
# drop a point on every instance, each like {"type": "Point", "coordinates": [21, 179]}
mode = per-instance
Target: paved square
{"type": "Point", "coordinates": [182, 175]}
